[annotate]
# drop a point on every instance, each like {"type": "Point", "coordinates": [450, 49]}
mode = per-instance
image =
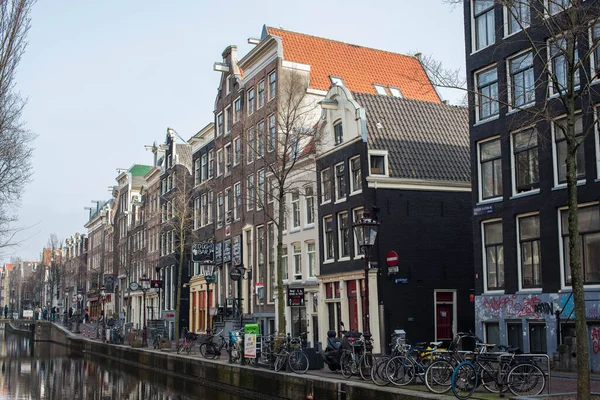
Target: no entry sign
{"type": "Point", "coordinates": [392, 259]}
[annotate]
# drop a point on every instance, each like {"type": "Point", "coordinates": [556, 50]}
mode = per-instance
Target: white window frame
{"type": "Point", "coordinates": [297, 255]}
{"type": "Point", "coordinates": [295, 208]}
{"type": "Point", "coordinates": [593, 61]}
{"type": "Point", "coordinates": [558, 185]}
{"type": "Point", "coordinates": [323, 186]}
{"type": "Point", "coordinates": [339, 235]}
{"type": "Point", "coordinates": [551, 92]}
{"type": "Point", "coordinates": [258, 92]}
{"type": "Point", "coordinates": [219, 166]}
{"type": "Point", "coordinates": [519, 258]}
{"type": "Point", "coordinates": [250, 145]}
{"type": "Point", "coordinates": [204, 167]}
{"type": "Point", "coordinates": [353, 190]}
{"type": "Point", "coordinates": [220, 126]}
{"type": "Point", "coordinates": [309, 210]}
{"type": "Point", "coordinates": [547, 7]}
{"type": "Point", "coordinates": [335, 182]}
{"type": "Point", "coordinates": [491, 117]}
{"type": "Point", "coordinates": [260, 138]}
{"type": "Point", "coordinates": [227, 123]}
{"type": "Point", "coordinates": [251, 106]}
{"type": "Point", "coordinates": [484, 255]}
{"type": "Point", "coordinates": [237, 200]}
{"type": "Point", "coordinates": [272, 137]}
{"type": "Point", "coordinates": [357, 251]}
{"type": "Point", "coordinates": [311, 254]}
{"type": "Point", "coordinates": [513, 164]}
{"type": "Point", "coordinates": [506, 17]}
{"type": "Point", "coordinates": [260, 189]}
{"type": "Point", "coordinates": [380, 89]}
{"type": "Point", "coordinates": [509, 79]}
{"type": "Point", "coordinates": [479, 172]}
{"type": "Point", "coordinates": [237, 112]}
{"type": "Point", "coordinates": [211, 164]}
{"type": "Point", "coordinates": [274, 73]}
{"type": "Point", "coordinates": [474, 29]}
{"type": "Point", "coordinates": [251, 193]}
{"type": "Point", "coordinates": [237, 151]}
{"type": "Point", "coordinates": [395, 92]}
{"type": "Point", "coordinates": [325, 243]}
{"type": "Point", "coordinates": [383, 153]}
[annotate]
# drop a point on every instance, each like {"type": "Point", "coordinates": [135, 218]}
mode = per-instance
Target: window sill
{"type": "Point", "coordinates": [490, 201]}
{"type": "Point", "coordinates": [328, 261]}
{"type": "Point", "coordinates": [325, 202]}
{"type": "Point", "coordinates": [529, 290]}
{"type": "Point", "coordinates": [483, 48]}
{"type": "Point", "coordinates": [556, 95]}
{"type": "Point", "coordinates": [340, 201]}
{"type": "Point", "coordinates": [359, 191]}
{"type": "Point", "coordinates": [525, 194]}
{"type": "Point", "coordinates": [295, 229]}
{"type": "Point", "coordinates": [485, 121]}
{"type": "Point", "coordinates": [580, 182]}
{"type": "Point", "coordinates": [495, 291]}
{"type": "Point", "coordinates": [309, 226]}
{"type": "Point", "coordinates": [517, 109]}
{"type": "Point", "coordinates": [514, 33]}
{"type": "Point", "coordinates": [344, 258]}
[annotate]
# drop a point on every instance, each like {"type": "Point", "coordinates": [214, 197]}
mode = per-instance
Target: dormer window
{"type": "Point", "coordinates": [338, 132]}
{"type": "Point", "coordinates": [377, 164]}
{"type": "Point", "coordinates": [380, 90]}
{"type": "Point", "coordinates": [336, 80]}
{"type": "Point", "coordinates": [395, 92]}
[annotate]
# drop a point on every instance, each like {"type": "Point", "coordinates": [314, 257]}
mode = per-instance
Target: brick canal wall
{"type": "Point", "coordinates": [247, 382]}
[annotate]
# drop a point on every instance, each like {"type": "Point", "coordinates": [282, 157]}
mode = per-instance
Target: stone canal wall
{"type": "Point", "coordinates": [247, 382]}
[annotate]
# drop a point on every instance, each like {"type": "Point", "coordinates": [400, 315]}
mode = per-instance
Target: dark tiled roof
{"type": "Point", "coordinates": [424, 140]}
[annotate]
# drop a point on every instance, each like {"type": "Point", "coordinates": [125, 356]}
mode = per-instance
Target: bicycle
{"type": "Point", "coordinates": [235, 350]}
{"type": "Point", "coordinates": [356, 361]}
{"type": "Point", "coordinates": [521, 378]}
{"type": "Point", "coordinates": [293, 354]}
{"type": "Point", "coordinates": [209, 349]}
{"type": "Point", "coordinates": [187, 343]}
{"type": "Point", "coordinates": [404, 368]}
{"type": "Point", "coordinates": [378, 375]}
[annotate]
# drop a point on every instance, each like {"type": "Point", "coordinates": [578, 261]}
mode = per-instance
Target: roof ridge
{"type": "Point", "coordinates": [400, 99]}
{"type": "Point", "coordinates": [339, 41]}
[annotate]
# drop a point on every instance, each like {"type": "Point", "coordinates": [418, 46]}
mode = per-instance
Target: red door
{"type": "Point", "coordinates": [352, 304]}
{"type": "Point", "coordinates": [444, 321]}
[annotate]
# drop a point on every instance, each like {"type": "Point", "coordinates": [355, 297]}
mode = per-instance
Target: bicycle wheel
{"type": "Point", "coordinates": [298, 361]}
{"type": "Point", "coordinates": [189, 347]}
{"type": "Point", "coordinates": [400, 370]}
{"type": "Point", "coordinates": [207, 350]}
{"type": "Point", "coordinates": [464, 380]}
{"type": "Point", "coordinates": [251, 362]}
{"type": "Point", "coordinates": [488, 373]}
{"type": "Point", "coordinates": [180, 348]}
{"type": "Point", "coordinates": [526, 380]}
{"type": "Point", "coordinates": [346, 362]}
{"type": "Point", "coordinates": [280, 359]}
{"type": "Point", "coordinates": [378, 375]}
{"type": "Point", "coordinates": [365, 364]}
{"type": "Point", "coordinates": [438, 377]}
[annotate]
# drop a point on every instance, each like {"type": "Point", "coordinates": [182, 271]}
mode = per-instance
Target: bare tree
{"type": "Point", "coordinates": [563, 36]}
{"type": "Point", "coordinates": [55, 267]}
{"type": "Point", "coordinates": [15, 141]}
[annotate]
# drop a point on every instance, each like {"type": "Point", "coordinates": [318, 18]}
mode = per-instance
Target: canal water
{"type": "Point", "coordinates": [46, 371]}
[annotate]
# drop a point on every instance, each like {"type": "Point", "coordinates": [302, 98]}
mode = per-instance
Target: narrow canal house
{"type": "Point", "coordinates": [398, 153]}
{"type": "Point", "coordinates": [522, 271]}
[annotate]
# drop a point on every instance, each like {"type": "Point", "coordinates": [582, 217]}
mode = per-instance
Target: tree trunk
{"type": "Point", "coordinates": [179, 277]}
{"type": "Point", "coordinates": [280, 296]}
{"type": "Point", "coordinates": [583, 372]}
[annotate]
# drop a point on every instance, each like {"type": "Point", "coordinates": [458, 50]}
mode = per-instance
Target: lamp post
{"type": "Point", "coordinates": [145, 285]}
{"type": "Point", "coordinates": [80, 311]}
{"type": "Point", "coordinates": [209, 277]}
{"type": "Point", "coordinates": [102, 300]}
{"type": "Point", "coordinates": [366, 232]}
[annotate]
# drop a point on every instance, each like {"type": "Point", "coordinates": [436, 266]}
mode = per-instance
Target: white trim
{"type": "Point", "coordinates": [519, 263]}
{"type": "Point", "coordinates": [483, 254]}
{"type": "Point", "coordinates": [511, 108]}
{"type": "Point", "coordinates": [295, 65]}
{"type": "Point", "coordinates": [383, 153]}
{"type": "Point", "coordinates": [478, 120]}
{"type": "Point", "coordinates": [479, 182]}
{"type": "Point", "coordinates": [513, 169]}
{"type": "Point", "coordinates": [555, 154]}
{"type": "Point", "coordinates": [505, 24]}
{"type": "Point", "coordinates": [474, 30]}
{"type": "Point", "coordinates": [339, 235]}
{"type": "Point", "coordinates": [417, 184]}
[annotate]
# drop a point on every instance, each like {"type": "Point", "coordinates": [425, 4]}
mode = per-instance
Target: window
{"type": "Point", "coordinates": [344, 234]}
{"type": "Point", "coordinates": [493, 258]}
{"type": "Point", "coordinates": [297, 260]}
{"type": "Point", "coordinates": [260, 139]}
{"type": "Point", "coordinates": [310, 205]}
{"type": "Point", "coordinates": [211, 163]}
{"type": "Point", "coordinates": [490, 169]}
{"type": "Point", "coordinates": [228, 158]}
{"type": "Point", "coordinates": [197, 213]}
{"type": "Point", "coordinates": [518, 16]}
{"type": "Point", "coordinates": [355, 175]}
{"type": "Point", "coordinates": [219, 162]}
{"type": "Point", "coordinates": [529, 246]}
{"type": "Point", "coordinates": [237, 152]}
{"type": "Point", "coordinates": [295, 209]}
{"type": "Point", "coordinates": [250, 149]}
{"type": "Point", "coordinates": [329, 238]}
{"type": "Point", "coordinates": [204, 210]}
{"type": "Point", "coordinates": [250, 101]}
{"type": "Point", "coordinates": [219, 124]}
{"type": "Point", "coordinates": [525, 152]}
{"type": "Point", "coordinates": [537, 338]}
{"type": "Point", "coordinates": [211, 198]}
{"type": "Point", "coordinates": [377, 164]}
{"type": "Point", "coordinates": [219, 210]}
{"type": "Point", "coordinates": [556, 6]}
{"type": "Point", "coordinates": [492, 332]}
{"type": "Point", "coordinates": [395, 92]}
{"type": "Point", "coordinates": [261, 94]}
{"type": "Point", "coordinates": [522, 82]}
{"type": "Point", "coordinates": [561, 149]}
{"type": "Point", "coordinates": [325, 185]}
{"type": "Point", "coordinates": [260, 193]}
{"type": "Point", "coordinates": [515, 334]}
{"type": "Point", "coordinates": [228, 206]}
{"type": "Point", "coordinates": [237, 110]}
{"type": "Point", "coordinates": [340, 182]}
{"type": "Point", "coordinates": [227, 85]}
{"type": "Point", "coordinates": [357, 215]}
{"type": "Point", "coordinates": [589, 243]}
{"type": "Point", "coordinates": [284, 263]}
{"type": "Point", "coordinates": [197, 171]}
{"type": "Point", "coordinates": [228, 120]}
{"type": "Point", "coordinates": [560, 66]}
{"type": "Point", "coordinates": [272, 133]}
{"type": "Point", "coordinates": [272, 85]}
{"type": "Point", "coordinates": [250, 200]}
{"type": "Point", "coordinates": [338, 132]}
{"type": "Point", "coordinates": [237, 188]}
{"type": "Point", "coordinates": [485, 31]}
{"type": "Point", "coordinates": [380, 90]}
{"type": "Point", "coordinates": [596, 45]}
{"type": "Point", "coordinates": [312, 260]}
{"type": "Point", "coordinates": [487, 93]}
{"type": "Point", "coordinates": [204, 167]}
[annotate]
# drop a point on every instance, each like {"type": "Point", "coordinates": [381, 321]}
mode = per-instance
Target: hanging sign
{"type": "Point", "coordinates": [203, 252]}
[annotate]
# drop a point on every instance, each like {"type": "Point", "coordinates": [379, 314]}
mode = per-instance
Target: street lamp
{"type": "Point", "coordinates": [145, 285]}
{"type": "Point", "coordinates": [80, 311]}
{"type": "Point", "coordinates": [209, 277]}
{"type": "Point", "coordinates": [102, 300]}
{"type": "Point", "coordinates": [365, 230]}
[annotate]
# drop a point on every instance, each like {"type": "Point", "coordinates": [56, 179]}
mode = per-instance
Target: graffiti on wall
{"type": "Point", "coordinates": [514, 306]}
{"type": "Point", "coordinates": [595, 336]}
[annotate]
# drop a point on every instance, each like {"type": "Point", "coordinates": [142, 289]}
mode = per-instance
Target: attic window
{"type": "Point", "coordinates": [380, 90]}
{"type": "Point", "coordinates": [395, 92]}
{"type": "Point", "coordinates": [336, 80]}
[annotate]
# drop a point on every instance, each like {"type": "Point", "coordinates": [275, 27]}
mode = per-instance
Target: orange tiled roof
{"type": "Point", "coordinates": [359, 67]}
{"type": "Point", "coordinates": [10, 267]}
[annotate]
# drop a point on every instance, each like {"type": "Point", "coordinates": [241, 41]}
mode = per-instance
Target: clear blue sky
{"type": "Point", "coordinates": [105, 78]}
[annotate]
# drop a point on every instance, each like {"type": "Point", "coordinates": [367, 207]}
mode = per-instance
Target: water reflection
{"type": "Point", "coordinates": [45, 371]}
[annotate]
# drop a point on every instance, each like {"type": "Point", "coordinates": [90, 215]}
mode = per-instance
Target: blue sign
{"type": "Point", "coordinates": [483, 210]}
{"type": "Point", "coordinates": [401, 280]}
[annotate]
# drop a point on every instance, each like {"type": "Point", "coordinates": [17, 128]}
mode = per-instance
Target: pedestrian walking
{"type": "Point", "coordinates": [70, 312]}
{"type": "Point", "coordinates": [5, 311]}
